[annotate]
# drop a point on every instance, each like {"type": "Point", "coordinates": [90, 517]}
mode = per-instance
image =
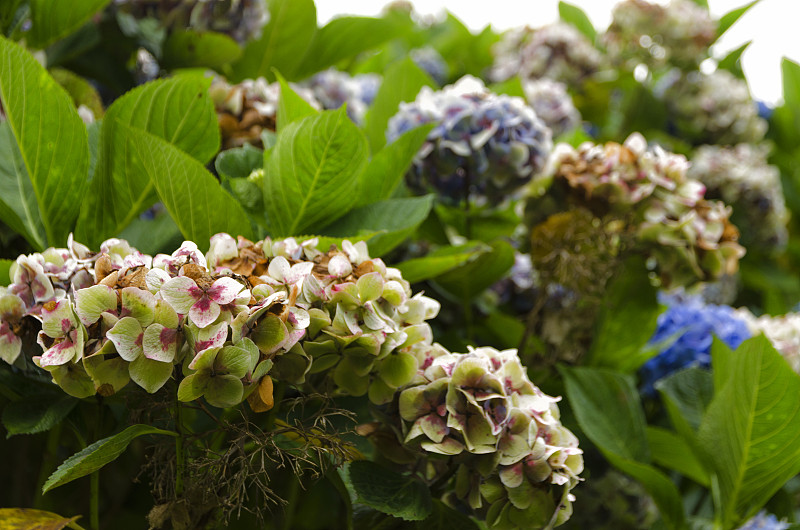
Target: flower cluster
{"type": "Point", "coordinates": [432, 62]}
{"type": "Point", "coordinates": [656, 35]}
{"type": "Point", "coordinates": [242, 20]}
{"type": "Point", "coordinates": [333, 89]}
{"type": "Point", "coordinates": [517, 463]}
{"type": "Point", "coordinates": [764, 521]}
{"type": "Point", "coordinates": [712, 108]}
{"type": "Point", "coordinates": [484, 146]}
{"type": "Point", "coordinates": [741, 177]}
{"type": "Point", "coordinates": [684, 335]}
{"type": "Point", "coordinates": [556, 51]}
{"type": "Point", "coordinates": [552, 105]}
{"type": "Point", "coordinates": [234, 318]}
{"type": "Point", "coordinates": [246, 109]}
{"type": "Point", "coordinates": [642, 194]}
{"type": "Point", "coordinates": [782, 331]}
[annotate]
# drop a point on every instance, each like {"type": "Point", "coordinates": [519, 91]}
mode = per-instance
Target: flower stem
{"type": "Point", "coordinates": [94, 500]}
{"type": "Point", "coordinates": [180, 456]}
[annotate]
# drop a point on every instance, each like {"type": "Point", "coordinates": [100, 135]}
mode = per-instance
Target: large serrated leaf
{"type": "Point", "coordinates": [97, 455]}
{"type": "Point", "coordinates": [193, 197]}
{"type": "Point", "coordinates": [283, 41]}
{"type": "Point", "coordinates": [388, 491]}
{"type": "Point", "coordinates": [729, 19]}
{"type": "Point", "coordinates": [54, 19]}
{"type": "Point", "coordinates": [440, 261]}
{"type": "Point", "coordinates": [36, 414]}
{"type": "Point", "coordinates": [177, 110]}
{"type": "Point", "coordinates": [291, 107]}
{"type": "Point", "coordinates": [312, 174]}
{"type": "Point", "coordinates": [401, 82]}
{"type": "Point", "coordinates": [472, 278]}
{"type": "Point", "coordinates": [671, 451]}
{"type": "Point", "coordinates": [395, 219]}
{"type": "Point", "coordinates": [50, 136]}
{"type": "Point", "coordinates": [686, 394]}
{"type": "Point", "coordinates": [343, 38]}
{"type": "Point", "coordinates": [751, 432]}
{"type": "Point", "coordinates": [18, 208]}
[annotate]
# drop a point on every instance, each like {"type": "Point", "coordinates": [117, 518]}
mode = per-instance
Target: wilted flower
{"type": "Point", "coordinates": [741, 177]}
{"type": "Point", "coordinates": [712, 108]}
{"type": "Point", "coordinates": [684, 335]}
{"type": "Point", "coordinates": [678, 33]}
{"type": "Point", "coordinates": [552, 105]}
{"type": "Point", "coordinates": [62, 336]}
{"type": "Point", "coordinates": [483, 146]}
{"type": "Point", "coordinates": [432, 62]}
{"type": "Point", "coordinates": [556, 51]}
{"type": "Point", "coordinates": [12, 309]}
{"type": "Point", "coordinates": [333, 89]}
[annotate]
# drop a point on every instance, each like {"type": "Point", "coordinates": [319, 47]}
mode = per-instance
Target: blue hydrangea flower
{"type": "Point", "coordinates": [688, 327]}
{"type": "Point", "coordinates": [764, 521]}
{"type": "Point", "coordinates": [432, 62]}
{"type": "Point", "coordinates": [333, 89]}
{"type": "Point", "coordinates": [484, 146]}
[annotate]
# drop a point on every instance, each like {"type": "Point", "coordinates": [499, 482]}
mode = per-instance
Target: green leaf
{"type": "Point", "coordinates": [284, 40]}
{"type": "Point", "coordinates": [51, 138]}
{"type": "Point", "coordinates": [52, 19]}
{"type": "Point", "coordinates": [97, 455]}
{"type": "Point", "coordinates": [153, 236]}
{"type": "Point", "coordinates": [608, 410]}
{"type": "Point", "coordinates": [389, 165]}
{"type": "Point", "coordinates": [630, 298]}
{"type": "Point", "coordinates": [443, 517]}
{"type": "Point", "coordinates": [733, 61]}
{"type": "Point", "coordinates": [188, 48]}
{"type": "Point", "coordinates": [440, 261]}
{"type": "Point", "coordinates": [395, 218]}
{"type": "Point", "coordinates": [751, 431]}
{"type": "Point", "coordinates": [312, 172]}
{"type": "Point", "coordinates": [574, 15]}
{"type": "Point", "coordinates": [18, 208]}
{"type": "Point", "coordinates": [177, 110]}
{"type": "Point", "coordinates": [30, 519]}
{"type": "Point", "coordinates": [659, 486]}
{"type": "Point", "coordinates": [291, 107]}
{"type": "Point", "coordinates": [36, 414]}
{"type": "Point", "coordinates": [509, 87]}
{"type": "Point", "coordinates": [790, 72]}
{"type": "Point", "coordinates": [673, 452]}
{"type": "Point", "coordinates": [401, 82]}
{"type": "Point", "coordinates": [728, 19]}
{"type": "Point", "coordinates": [686, 394]}
{"type": "Point", "coordinates": [344, 38]}
{"type": "Point", "coordinates": [192, 196]}
{"type": "Point", "coordinates": [239, 162]}
{"type": "Point", "coordinates": [474, 277]}
{"type": "Point", "coordinates": [5, 271]}
{"type": "Point", "coordinates": [388, 491]}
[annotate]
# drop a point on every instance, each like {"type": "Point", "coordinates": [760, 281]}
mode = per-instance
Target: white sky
{"type": "Point", "coordinates": [772, 25]}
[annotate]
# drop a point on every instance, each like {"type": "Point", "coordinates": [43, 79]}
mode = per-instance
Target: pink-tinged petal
{"type": "Point", "coordinates": [299, 318]}
{"type": "Point", "coordinates": [211, 337]}
{"type": "Point", "coordinates": [29, 272]}
{"type": "Point", "coordinates": [92, 302]}
{"type": "Point", "coordinates": [292, 338]}
{"type": "Point", "coordinates": [139, 304]}
{"type": "Point", "coordinates": [57, 319]}
{"type": "Point", "coordinates": [160, 343]}
{"type": "Point", "coordinates": [204, 312]}
{"type": "Point", "coordinates": [149, 374]}
{"type": "Point", "coordinates": [155, 279]}
{"type": "Point", "coordinates": [224, 290]}
{"type": "Point", "coordinates": [298, 272]}
{"type": "Point", "coordinates": [10, 344]}
{"type": "Point", "coordinates": [278, 268]}
{"type": "Point", "coordinates": [181, 293]}
{"type": "Point", "coordinates": [434, 427]}
{"type": "Point", "coordinates": [339, 266]}
{"type": "Point", "coordinates": [127, 336]}
{"type": "Point", "coordinates": [11, 307]}
{"type": "Point", "coordinates": [204, 359]}
{"type": "Point", "coordinates": [60, 353]}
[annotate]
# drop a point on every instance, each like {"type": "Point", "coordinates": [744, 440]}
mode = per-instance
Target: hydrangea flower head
{"type": "Point", "coordinates": [483, 146]}
{"type": "Point", "coordinates": [432, 62]}
{"type": "Point", "coordinates": [688, 327]}
{"type": "Point", "coordinates": [552, 104]}
{"type": "Point", "coordinates": [764, 521]}
{"type": "Point", "coordinates": [333, 89]}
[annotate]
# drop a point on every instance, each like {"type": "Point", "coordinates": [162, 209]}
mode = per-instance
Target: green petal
{"type": "Point", "coordinates": [149, 374]}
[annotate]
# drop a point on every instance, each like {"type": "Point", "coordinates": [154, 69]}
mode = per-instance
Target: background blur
{"type": "Point", "coordinates": [771, 25]}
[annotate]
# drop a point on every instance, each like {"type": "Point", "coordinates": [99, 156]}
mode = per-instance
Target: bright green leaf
{"type": "Point", "coordinates": [401, 82]}
{"type": "Point", "coordinates": [291, 107]}
{"type": "Point", "coordinates": [672, 452]}
{"type": "Point", "coordinates": [389, 165]}
{"type": "Point", "coordinates": [686, 394]}
{"type": "Point", "coordinates": [440, 261]}
{"type": "Point", "coordinates": [284, 40]}
{"type": "Point", "coordinates": [733, 61]}
{"type": "Point", "coordinates": [728, 19]}
{"type": "Point", "coordinates": [388, 491]}
{"type": "Point", "coordinates": [177, 110]}
{"type": "Point", "coordinates": [187, 48]}
{"type": "Point", "coordinates": [97, 455]}
{"type": "Point", "coordinates": [311, 175]}
{"type": "Point", "coordinates": [192, 196]}
{"type": "Point", "coordinates": [53, 19]}
{"type": "Point", "coordinates": [608, 410]}
{"type": "Point", "coordinates": [574, 15]}
{"type": "Point", "coordinates": [5, 271]}
{"type": "Point", "coordinates": [396, 218]}
{"type": "Point", "coordinates": [30, 519]}
{"type": "Point", "coordinates": [509, 87]}
{"type": "Point", "coordinates": [474, 277]}
{"type": "Point", "coordinates": [36, 414]}
{"type": "Point", "coordinates": [751, 432]}
{"type": "Point", "coordinates": [18, 208]}
{"type": "Point", "coordinates": [51, 138]}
